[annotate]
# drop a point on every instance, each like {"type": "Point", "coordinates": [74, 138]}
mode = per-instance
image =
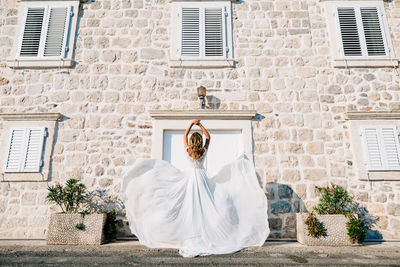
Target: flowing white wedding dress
{"type": "Point", "coordinates": [199, 215]}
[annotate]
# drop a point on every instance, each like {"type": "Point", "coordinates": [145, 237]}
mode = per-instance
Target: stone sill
{"type": "Point", "coordinates": [23, 177]}
{"type": "Point", "coordinates": [382, 176]}
{"type": "Point", "coordinates": [204, 114]}
{"type": "Point", "coordinates": [201, 63]}
{"type": "Point", "coordinates": [233, 1]}
{"type": "Point", "coordinates": [40, 63]}
{"type": "Point", "coordinates": [373, 115]}
{"type": "Point", "coordinates": [31, 116]}
{"type": "Point", "coordinates": [82, 1]}
{"type": "Point", "coordinates": [366, 63]}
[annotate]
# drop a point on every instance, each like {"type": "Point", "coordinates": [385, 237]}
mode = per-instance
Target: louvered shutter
{"type": "Point", "coordinates": [56, 31]}
{"type": "Point", "coordinates": [361, 31]}
{"type": "Point", "coordinates": [46, 31]}
{"type": "Point", "coordinates": [382, 147]}
{"type": "Point", "coordinates": [32, 32]}
{"type": "Point", "coordinates": [25, 150]}
{"type": "Point", "coordinates": [214, 44]}
{"type": "Point", "coordinates": [349, 31]}
{"type": "Point", "coordinates": [34, 149]}
{"type": "Point", "coordinates": [15, 150]}
{"type": "Point", "coordinates": [372, 31]}
{"type": "Point", "coordinates": [390, 137]}
{"type": "Point", "coordinates": [373, 148]}
{"type": "Point", "coordinates": [190, 45]}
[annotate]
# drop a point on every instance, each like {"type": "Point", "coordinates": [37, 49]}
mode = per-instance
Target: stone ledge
{"type": "Point", "coordinates": [40, 63]}
{"type": "Point", "coordinates": [381, 176]}
{"type": "Point", "coordinates": [31, 116]}
{"type": "Point", "coordinates": [23, 177]}
{"type": "Point", "coordinates": [373, 115]}
{"type": "Point", "coordinates": [366, 63]}
{"type": "Point", "coordinates": [82, 1]}
{"type": "Point", "coordinates": [204, 114]}
{"type": "Point", "coordinates": [233, 1]}
{"type": "Point", "coordinates": [201, 63]}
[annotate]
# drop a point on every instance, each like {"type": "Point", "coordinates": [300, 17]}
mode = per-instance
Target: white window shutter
{"type": "Point", "coordinates": [349, 31]}
{"type": "Point", "coordinates": [33, 28]}
{"type": "Point", "coordinates": [391, 143]}
{"type": "Point", "coordinates": [214, 43]}
{"type": "Point", "coordinates": [46, 31]}
{"type": "Point", "coordinates": [372, 31]}
{"type": "Point", "coordinates": [190, 42]}
{"type": "Point", "coordinates": [56, 31]}
{"type": "Point", "coordinates": [15, 150]}
{"type": "Point", "coordinates": [373, 148]}
{"type": "Point", "coordinates": [34, 149]}
{"type": "Point", "coordinates": [382, 147]}
{"type": "Point", "coordinates": [25, 149]}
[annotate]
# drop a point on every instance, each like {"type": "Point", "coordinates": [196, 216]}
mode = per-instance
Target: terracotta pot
{"type": "Point", "coordinates": [336, 231]}
{"type": "Point", "coordinates": [62, 230]}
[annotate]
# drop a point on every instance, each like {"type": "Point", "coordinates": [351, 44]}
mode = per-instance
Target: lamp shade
{"type": "Point", "coordinates": [201, 91]}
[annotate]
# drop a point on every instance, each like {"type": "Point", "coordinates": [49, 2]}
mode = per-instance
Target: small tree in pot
{"type": "Point", "coordinates": [335, 223]}
{"type": "Point", "coordinates": [69, 198]}
{"type": "Point", "coordinates": [76, 225]}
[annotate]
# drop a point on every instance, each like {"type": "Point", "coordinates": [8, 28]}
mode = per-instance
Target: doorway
{"type": "Point", "coordinates": [225, 146]}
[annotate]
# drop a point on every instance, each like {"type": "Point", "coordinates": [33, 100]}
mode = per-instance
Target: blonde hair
{"type": "Point", "coordinates": [196, 146]}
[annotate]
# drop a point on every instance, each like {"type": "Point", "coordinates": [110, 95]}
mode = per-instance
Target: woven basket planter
{"type": "Point", "coordinates": [62, 230]}
{"type": "Point", "coordinates": [336, 231]}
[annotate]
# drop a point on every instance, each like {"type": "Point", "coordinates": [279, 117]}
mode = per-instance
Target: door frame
{"type": "Point", "coordinates": [166, 120]}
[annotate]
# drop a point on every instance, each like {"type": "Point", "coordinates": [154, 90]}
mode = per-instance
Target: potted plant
{"type": "Point", "coordinates": [333, 221]}
{"type": "Point", "coordinates": [76, 225]}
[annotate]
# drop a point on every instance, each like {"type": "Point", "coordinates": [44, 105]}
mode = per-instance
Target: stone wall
{"type": "Point", "coordinates": [283, 72]}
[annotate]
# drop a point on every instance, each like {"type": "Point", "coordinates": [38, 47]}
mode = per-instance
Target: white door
{"type": "Point", "coordinates": [225, 146]}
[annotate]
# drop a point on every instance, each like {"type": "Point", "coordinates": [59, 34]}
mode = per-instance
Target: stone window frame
{"type": "Point", "coordinates": [47, 120]}
{"type": "Point", "coordinates": [362, 119]}
{"type": "Point", "coordinates": [17, 62]}
{"type": "Point", "coordinates": [339, 61]}
{"type": "Point", "coordinates": [166, 120]}
{"type": "Point", "coordinates": [176, 61]}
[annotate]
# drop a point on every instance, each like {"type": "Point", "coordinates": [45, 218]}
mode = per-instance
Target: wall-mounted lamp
{"type": "Point", "coordinates": [201, 93]}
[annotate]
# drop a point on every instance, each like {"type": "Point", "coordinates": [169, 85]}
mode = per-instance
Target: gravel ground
{"type": "Point", "coordinates": [131, 253]}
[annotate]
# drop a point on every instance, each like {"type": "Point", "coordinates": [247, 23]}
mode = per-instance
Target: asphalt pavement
{"type": "Point", "coordinates": [131, 253]}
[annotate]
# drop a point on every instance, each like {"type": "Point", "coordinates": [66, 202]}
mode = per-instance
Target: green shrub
{"type": "Point", "coordinates": [314, 227]}
{"type": "Point", "coordinates": [356, 230]}
{"type": "Point", "coordinates": [69, 197]}
{"type": "Point", "coordinates": [110, 227]}
{"type": "Point", "coordinates": [80, 226]}
{"type": "Point", "coordinates": [334, 199]}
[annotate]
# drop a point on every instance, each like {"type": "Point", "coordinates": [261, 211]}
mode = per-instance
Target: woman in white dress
{"type": "Point", "coordinates": [199, 215]}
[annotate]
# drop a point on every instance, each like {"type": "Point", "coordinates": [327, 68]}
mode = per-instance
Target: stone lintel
{"type": "Point", "coordinates": [233, 1]}
{"type": "Point", "coordinates": [204, 114]}
{"type": "Point", "coordinates": [31, 116]}
{"type": "Point", "coordinates": [373, 115]}
{"type": "Point", "coordinates": [82, 1]}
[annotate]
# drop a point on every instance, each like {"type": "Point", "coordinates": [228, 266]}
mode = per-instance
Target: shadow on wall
{"type": "Point", "coordinates": [102, 201]}
{"type": "Point", "coordinates": [370, 222]}
{"type": "Point", "coordinates": [283, 204]}
{"type": "Point", "coordinates": [56, 132]}
{"type": "Point", "coordinates": [213, 102]}
{"type": "Point", "coordinates": [78, 24]}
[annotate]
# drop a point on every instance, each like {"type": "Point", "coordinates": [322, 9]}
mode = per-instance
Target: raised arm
{"type": "Point", "coordinates": [185, 136]}
{"type": "Point", "coordinates": [208, 137]}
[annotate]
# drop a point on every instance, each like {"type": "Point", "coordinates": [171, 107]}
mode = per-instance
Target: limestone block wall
{"type": "Point", "coordinates": [283, 71]}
